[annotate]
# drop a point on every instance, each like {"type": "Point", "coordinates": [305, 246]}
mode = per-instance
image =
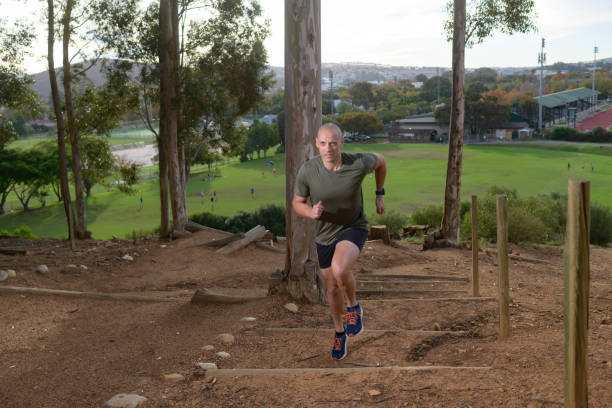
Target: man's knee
{"type": "Point", "coordinates": [339, 271]}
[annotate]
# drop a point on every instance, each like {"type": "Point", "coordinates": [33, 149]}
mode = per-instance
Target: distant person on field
{"type": "Point", "coordinates": [202, 196]}
{"type": "Point", "coordinates": [141, 201]}
{"type": "Point", "coordinates": [274, 171]}
{"type": "Point", "coordinates": [262, 172]}
{"type": "Point", "coordinates": [212, 203]}
{"type": "Point", "coordinates": [252, 193]}
{"type": "Point", "coordinates": [328, 190]}
{"type": "Point", "coordinates": [592, 167]}
{"type": "Point", "coordinates": [568, 166]}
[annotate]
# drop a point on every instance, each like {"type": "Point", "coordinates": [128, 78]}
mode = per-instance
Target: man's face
{"type": "Point", "coordinates": [329, 145]}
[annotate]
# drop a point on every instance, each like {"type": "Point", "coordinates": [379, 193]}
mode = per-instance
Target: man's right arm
{"type": "Point", "coordinates": [302, 208]}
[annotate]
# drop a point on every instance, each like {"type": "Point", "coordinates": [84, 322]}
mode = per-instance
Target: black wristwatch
{"type": "Point", "coordinates": [380, 192]}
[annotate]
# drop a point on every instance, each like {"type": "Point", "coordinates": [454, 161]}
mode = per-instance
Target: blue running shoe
{"type": "Point", "coordinates": [354, 320]}
{"type": "Point", "coordinates": [339, 349]}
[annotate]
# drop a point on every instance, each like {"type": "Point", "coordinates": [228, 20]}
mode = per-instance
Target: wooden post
{"type": "Point", "coordinates": [475, 277]}
{"type": "Point", "coordinates": [503, 297]}
{"type": "Point", "coordinates": [577, 293]}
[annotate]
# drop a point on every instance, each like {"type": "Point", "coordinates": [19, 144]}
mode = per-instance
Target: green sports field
{"type": "Point", "coordinates": [415, 179]}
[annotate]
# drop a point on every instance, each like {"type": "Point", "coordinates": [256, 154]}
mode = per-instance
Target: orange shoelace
{"type": "Point", "coordinates": [337, 343]}
{"type": "Point", "coordinates": [351, 317]}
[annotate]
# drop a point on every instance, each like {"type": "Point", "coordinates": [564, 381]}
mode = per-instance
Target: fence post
{"type": "Point", "coordinates": [475, 277]}
{"type": "Point", "coordinates": [503, 296]}
{"type": "Point", "coordinates": [577, 293]}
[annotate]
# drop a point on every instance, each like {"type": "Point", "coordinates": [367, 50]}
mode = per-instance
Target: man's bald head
{"type": "Point", "coordinates": [330, 128]}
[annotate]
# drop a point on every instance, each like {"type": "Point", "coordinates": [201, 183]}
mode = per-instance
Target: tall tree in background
{"type": "Point", "coordinates": [484, 18]}
{"type": "Point", "coordinates": [301, 276]}
{"type": "Point", "coordinates": [169, 106]}
{"type": "Point", "coordinates": [59, 121]}
{"type": "Point", "coordinates": [99, 27]}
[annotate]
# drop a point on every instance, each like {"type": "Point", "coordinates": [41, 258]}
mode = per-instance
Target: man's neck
{"type": "Point", "coordinates": [333, 165]}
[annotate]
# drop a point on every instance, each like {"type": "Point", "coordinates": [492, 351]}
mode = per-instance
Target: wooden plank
{"type": "Point", "coordinates": [252, 235]}
{"type": "Point", "coordinates": [270, 248]}
{"type": "Point", "coordinates": [420, 277]}
{"type": "Point", "coordinates": [204, 296]}
{"type": "Point", "coordinates": [503, 295]}
{"type": "Point", "coordinates": [223, 241]}
{"type": "Point", "coordinates": [577, 294]}
{"type": "Point", "coordinates": [235, 372]}
{"type": "Point", "coordinates": [519, 257]}
{"type": "Point", "coordinates": [407, 282]}
{"type": "Point", "coordinates": [475, 275]}
{"type": "Point", "coordinates": [89, 295]}
{"type": "Point", "coordinates": [271, 330]}
{"type": "Point", "coordinates": [12, 251]}
{"type": "Point", "coordinates": [380, 232]}
{"type": "Point", "coordinates": [385, 292]}
{"type": "Point", "coordinates": [447, 299]}
{"type": "Point", "coordinates": [192, 226]}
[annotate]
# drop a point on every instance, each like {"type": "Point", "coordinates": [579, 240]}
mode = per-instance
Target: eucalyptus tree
{"type": "Point", "coordinates": [470, 25]}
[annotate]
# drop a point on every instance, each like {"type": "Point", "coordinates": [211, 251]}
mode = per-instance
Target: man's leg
{"type": "Point", "coordinates": [334, 298]}
{"type": "Point", "coordinates": [344, 257]}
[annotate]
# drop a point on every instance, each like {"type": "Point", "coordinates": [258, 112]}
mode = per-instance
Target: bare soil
{"type": "Point", "coordinates": [78, 352]}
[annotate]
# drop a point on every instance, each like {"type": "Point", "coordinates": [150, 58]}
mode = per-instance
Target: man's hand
{"type": "Point", "coordinates": [380, 204]}
{"type": "Point", "coordinates": [317, 210]}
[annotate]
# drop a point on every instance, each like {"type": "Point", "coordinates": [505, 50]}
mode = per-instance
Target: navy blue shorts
{"type": "Point", "coordinates": [325, 253]}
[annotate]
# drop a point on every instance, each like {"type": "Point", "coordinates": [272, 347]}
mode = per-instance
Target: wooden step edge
{"type": "Point", "coordinates": [220, 372]}
{"type": "Point", "coordinates": [269, 330]}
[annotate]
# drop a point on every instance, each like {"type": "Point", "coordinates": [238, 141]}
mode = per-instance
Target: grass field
{"type": "Point", "coordinates": [415, 179]}
{"type": "Point", "coordinates": [117, 137]}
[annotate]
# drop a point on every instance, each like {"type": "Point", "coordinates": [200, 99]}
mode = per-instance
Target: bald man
{"type": "Point", "coordinates": [328, 190]}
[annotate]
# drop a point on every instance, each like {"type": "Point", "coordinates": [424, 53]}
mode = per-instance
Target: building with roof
{"type": "Point", "coordinates": [559, 105]}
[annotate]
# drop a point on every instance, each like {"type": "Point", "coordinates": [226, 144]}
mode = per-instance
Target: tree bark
{"type": "Point", "coordinates": [169, 63]}
{"type": "Point", "coordinates": [451, 219]}
{"type": "Point", "coordinates": [81, 222]}
{"type": "Point", "coordinates": [301, 277]}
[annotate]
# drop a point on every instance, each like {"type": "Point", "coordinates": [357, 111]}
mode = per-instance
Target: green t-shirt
{"type": "Point", "coordinates": [340, 192]}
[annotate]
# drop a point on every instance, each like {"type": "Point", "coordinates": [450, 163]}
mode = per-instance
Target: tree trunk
{"type": "Point", "coordinates": [81, 222]}
{"type": "Point", "coordinates": [169, 63]}
{"type": "Point", "coordinates": [451, 219]}
{"type": "Point", "coordinates": [162, 139]}
{"type": "Point", "coordinates": [301, 277]}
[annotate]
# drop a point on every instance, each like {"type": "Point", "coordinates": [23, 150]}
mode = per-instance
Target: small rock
{"type": "Point", "coordinates": [163, 246]}
{"type": "Point", "coordinates": [609, 364]}
{"type": "Point", "coordinates": [207, 366]}
{"type": "Point", "coordinates": [125, 401]}
{"type": "Point", "coordinates": [42, 268]}
{"type": "Point", "coordinates": [175, 377]}
{"type": "Point", "coordinates": [127, 258]}
{"type": "Point", "coordinates": [223, 354]}
{"type": "Point", "coordinates": [248, 319]}
{"type": "Point", "coordinates": [3, 275]}
{"type": "Point", "coordinates": [374, 393]}
{"type": "Point", "coordinates": [435, 327]}
{"type": "Point", "coordinates": [70, 268]}
{"type": "Point", "coordinates": [226, 338]}
{"type": "Point", "coordinates": [605, 320]}
{"type": "Point", "coordinates": [292, 307]}
{"type": "Point", "coordinates": [136, 254]}
{"type": "Point", "coordinates": [208, 347]}
{"type": "Point", "coordinates": [11, 273]}
{"type": "Point", "coordinates": [83, 267]}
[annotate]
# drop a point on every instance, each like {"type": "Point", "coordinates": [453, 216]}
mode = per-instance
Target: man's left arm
{"type": "Point", "coordinates": [380, 173]}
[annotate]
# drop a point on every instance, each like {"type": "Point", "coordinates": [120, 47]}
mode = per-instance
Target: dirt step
{"type": "Point", "coordinates": [334, 370]}
{"type": "Point", "coordinates": [270, 330]}
{"type": "Point", "coordinates": [387, 292]}
{"type": "Point", "coordinates": [409, 282]}
{"type": "Point", "coordinates": [376, 276]}
{"type": "Point", "coordinates": [447, 299]}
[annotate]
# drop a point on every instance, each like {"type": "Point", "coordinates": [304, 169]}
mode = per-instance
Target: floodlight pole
{"type": "Point", "coordinates": [541, 60]}
{"type": "Point", "coordinates": [331, 90]}
{"type": "Point", "coordinates": [595, 51]}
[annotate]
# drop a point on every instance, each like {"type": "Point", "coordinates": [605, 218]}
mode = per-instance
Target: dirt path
{"type": "Point", "coordinates": [68, 352]}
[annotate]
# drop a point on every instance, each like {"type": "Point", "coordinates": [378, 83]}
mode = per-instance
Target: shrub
{"type": "Point", "coordinates": [271, 216]}
{"type": "Point", "coordinates": [430, 215]}
{"type": "Point", "coordinates": [5, 233]}
{"type": "Point", "coordinates": [393, 220]}
{"type": "Point", "coordinates": [601, 225]}
{"type": "Point", "coordinates": [209, 219]}
{"type": "Point", "coordinates": [23, 232]}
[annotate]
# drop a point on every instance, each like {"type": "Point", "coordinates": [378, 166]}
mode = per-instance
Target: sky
{"type": "Point", "coordinates": [409, 33]}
